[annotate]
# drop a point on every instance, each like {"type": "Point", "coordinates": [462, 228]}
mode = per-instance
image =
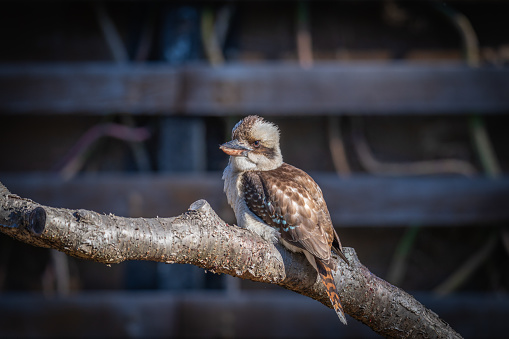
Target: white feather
{"type": "Point", "coordinates": [245, 218]}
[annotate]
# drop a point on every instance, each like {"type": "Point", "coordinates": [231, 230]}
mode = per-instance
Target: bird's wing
{"type": "Point", "coordinates": [287, 198]}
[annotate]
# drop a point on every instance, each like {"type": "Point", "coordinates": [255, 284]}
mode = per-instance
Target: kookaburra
{"type": "Point", "coordinates": [279, 202]}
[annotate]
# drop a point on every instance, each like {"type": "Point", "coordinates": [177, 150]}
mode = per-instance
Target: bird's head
{"type": "Point", "coordinates": [254, 145]}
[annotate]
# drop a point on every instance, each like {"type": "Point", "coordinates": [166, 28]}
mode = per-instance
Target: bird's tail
{"type": "Point", "coordinates": [330, 287]}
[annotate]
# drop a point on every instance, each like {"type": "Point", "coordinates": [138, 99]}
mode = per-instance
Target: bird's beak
{"type": "Point", "coordinates": [234, 148]}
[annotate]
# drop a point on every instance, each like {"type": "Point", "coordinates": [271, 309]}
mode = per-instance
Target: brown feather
{"type": "Point", "coordinates": [288, 199]}
{"type": "Point", "coordinates": [328, 281]}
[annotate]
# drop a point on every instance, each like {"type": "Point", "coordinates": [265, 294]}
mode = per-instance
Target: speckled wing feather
{"type": "Point", "coordinates": [288, 199]}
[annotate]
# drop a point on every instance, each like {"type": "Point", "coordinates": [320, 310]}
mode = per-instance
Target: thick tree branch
{"type": "Point", "coordinates": [201, 238]}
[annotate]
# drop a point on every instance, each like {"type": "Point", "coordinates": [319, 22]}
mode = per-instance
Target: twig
{"type": "Point", "coordinates": [337, 147]}
{"type": "Point", "coordinates": [426, 167]}
{"type": "Point", "coordinates": [398, 265]}
{"type": "Point", "coordinates": [74, 159]}
{"type": "Point", "coordinates": [111, 34]}
{"type": "Point", "coordinates": [465, 271]}
{"type": "Point", "coordinates": [304, 43]}
{"type": "Point", "coordinates": [210, 39]}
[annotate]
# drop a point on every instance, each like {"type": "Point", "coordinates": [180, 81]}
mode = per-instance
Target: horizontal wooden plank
{"type": "Point", "coordinates": [247, 315]}
{"type": "Point", "coordinates": [357, 201]}
{"type": "Point", "coordinates": [264, 88]}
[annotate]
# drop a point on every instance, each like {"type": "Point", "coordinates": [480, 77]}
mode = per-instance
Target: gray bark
{"type": "Point", "coordinates": [201, 238]}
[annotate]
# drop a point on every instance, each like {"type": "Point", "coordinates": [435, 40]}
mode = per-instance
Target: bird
{"type": "Point", "coordinates": [280, 202]}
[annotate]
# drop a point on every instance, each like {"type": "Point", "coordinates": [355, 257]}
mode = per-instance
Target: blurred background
{"type": "Point", "coordinates": [398, 109]}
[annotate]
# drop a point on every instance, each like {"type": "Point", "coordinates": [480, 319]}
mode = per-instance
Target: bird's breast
{"type": "Point", "coordinates": [245, 217]}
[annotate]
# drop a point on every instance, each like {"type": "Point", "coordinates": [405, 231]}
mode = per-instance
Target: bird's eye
{"type": "Point", "coordinates": [256, 143]}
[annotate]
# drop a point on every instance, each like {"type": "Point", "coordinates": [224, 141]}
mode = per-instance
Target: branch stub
{"type": "Point", "coordinates": [37, 221]}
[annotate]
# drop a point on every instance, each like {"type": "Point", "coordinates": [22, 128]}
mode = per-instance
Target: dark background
{"type": "Point", "coordinates": [120, 106]}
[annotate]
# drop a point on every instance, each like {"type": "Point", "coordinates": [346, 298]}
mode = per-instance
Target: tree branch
{"type": "Point", "coordinates": [201, 238]}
